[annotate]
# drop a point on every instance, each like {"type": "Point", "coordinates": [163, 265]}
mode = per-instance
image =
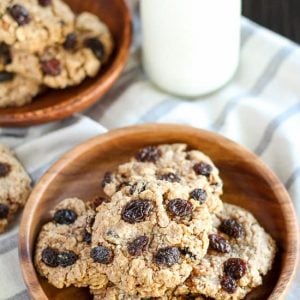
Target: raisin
{"type": "Point", "coordinates": [235, 268]}
{"type": "Point", "coordinates": [218, 243]}
{"type": "Point", "coordinates": [148, 154]}
{"type": "Point", "coordinates": [102, 255]}
{"type": "Point", "coordinates": [232, 228]}
{"type": "Point", "coordinates": [45, 2]}
{"type": "Point", "coordinates": [203, 168]}
{"type": "Point", "coordinates": [136, 211]}
{"type": "Point", "coordinates": [96, 46]}
{"type": "Point", "coordinates": [6, 76]}
{"type": "Point", "coordinates": [70, 41]}
{"type": "Point", "coordinates": [20, 14]}
{"type": "Point", "coordinates": [5, 53]}
{"type": "Point", "coordinates": [199, 195]}
{"type": "Point", "coordinates": [66, 258]}
{"type": "Point", "coordinates": [4, 209]}
{"type": "Point", "coordinates": [179, 207]}
{"type": "Point", "coordinates": [49, 257]}
{"type": "Point", "coordinates": [171, 177]}
{"type": "Point", "coordinates": [4, 169]}
{"type": "Point", "coordinates": [107, 178]}
{"type": "Point", "coordinates": [228, 284]}
{"type": "Point", "coordinates": [138, 246]}
{"type": "Point", "coordinates": [51, 67]}
{"type": "Point", "coordinates": [98, 201]}
{"type": "Point", "coordinates": [167, 256]}
{"type": "Point", "coordinates": [87, 237]}
{"type": "Point", "coordinates": [65, 216]}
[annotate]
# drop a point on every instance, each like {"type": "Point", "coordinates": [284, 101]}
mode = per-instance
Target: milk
{"type": "Point", "coordinates": [190, 47]}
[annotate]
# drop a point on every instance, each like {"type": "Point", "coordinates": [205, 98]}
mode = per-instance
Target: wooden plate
{"type": "Point", "coordinates": [58, 104]}
{"type": "Point", "coordinates": [247, 182]}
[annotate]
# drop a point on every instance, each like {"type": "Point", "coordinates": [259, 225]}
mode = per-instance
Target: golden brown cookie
{"type": "Point", "coordinates": [14, 186]}
{"type": "Point", "coordinates": [82, 54]}
{"type": "Point", "coordinates": [63, 247]}
{"type": "Point", "coordinates": [240, 254]}
{"type": "Point", "coordinates": [30, 26]}
{"type": "Point", "coordinates": [180, 171]}
{"type": "Point", "coordinates": [17, 90]}
{"type": "Point", "coordinates": [147, 243]}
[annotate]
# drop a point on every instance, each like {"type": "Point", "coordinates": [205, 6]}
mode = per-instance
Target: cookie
{"type": "Point", "coordinates": [63, 247]}
{"type": "Point", "coordinates": [16, 90]}
{"type": "Point", "coordinates": [20, 76]}
{"type": "Point", "coordinates": [62, 68]}
{"type": "Point", "coordinates": [24, 64]}
{"type": "Point", "coordinates": [32, 25]}
{"type": "Point", "coordinates": [148, 231]}
{"type": "Point", "coordinates": [173, 166]}
{"type": "Point", "coordinates": [240, 254]}
{"type": "Point", "coordinates": [14, 186]}
{"type": "Point", "coordinates": [88, 26]}
{"type": "Point", "coordinates": [81, 56]}
{"type": "Point", "coordinates": [111, 292]}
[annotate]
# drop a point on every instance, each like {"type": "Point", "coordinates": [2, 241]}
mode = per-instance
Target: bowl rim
{"type": "Point", "coordinates": [289, 261]}
{"type": "Point", "coordinates": [60, 111]}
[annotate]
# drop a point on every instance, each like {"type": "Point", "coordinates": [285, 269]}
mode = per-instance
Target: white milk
{"type": "Point", "coordinates": [190, 47]}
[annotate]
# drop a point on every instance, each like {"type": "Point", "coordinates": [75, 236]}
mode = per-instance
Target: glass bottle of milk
{"type": "Point", "coordinates": [190, 47]}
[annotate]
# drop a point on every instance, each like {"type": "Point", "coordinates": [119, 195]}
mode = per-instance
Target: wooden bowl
{"type": "Point", "coordinates": [247, 182]}
{"type": "Point", "coordinates": [58, 104]}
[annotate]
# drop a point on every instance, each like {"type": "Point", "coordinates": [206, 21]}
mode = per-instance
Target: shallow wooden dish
{"type": "Point", "coordinates": [58, 104]}
{"type": "Point", "coordinates": [247, 182]}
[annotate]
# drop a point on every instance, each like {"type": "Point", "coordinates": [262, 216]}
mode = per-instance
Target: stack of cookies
{"type": "Point", "coordinates": [44, 44]}
{"type": "Point", "coordinates": [161, 232]}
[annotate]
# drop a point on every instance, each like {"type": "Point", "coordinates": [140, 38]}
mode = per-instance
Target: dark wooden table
{"type": "Point", "coordinates": [282, 16]}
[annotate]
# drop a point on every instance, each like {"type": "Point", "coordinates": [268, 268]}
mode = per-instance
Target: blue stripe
{"type": "Point", "coordinates": [9, 243]}
{"type": "Point", "coordinates": [273, 126]}
{"type": "Point", "coordinates": [247, 33]}
{"type": "Point", "coordinates": [13, 132]}
{"type": "Point", "coordinates": [292, 179]}
{"type": "Point", "coordinates": [265, 78]}
{"type": "Point", "coordinates": [20, 296]}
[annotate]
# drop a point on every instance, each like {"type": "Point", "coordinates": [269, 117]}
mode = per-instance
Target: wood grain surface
{"type": "Point", "coordinates": [247, 182]}
{"type": "Point", "coordinates": [57, 104]}
{"type": "Point", "coordinates": [282, 16]}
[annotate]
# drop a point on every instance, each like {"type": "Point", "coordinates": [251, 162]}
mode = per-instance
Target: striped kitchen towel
{"type": "Point", "coordinates": [259, 108]}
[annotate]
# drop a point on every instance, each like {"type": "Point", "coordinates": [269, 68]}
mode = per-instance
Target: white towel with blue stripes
{"type": "Point", "coordinates": [259, 108]}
